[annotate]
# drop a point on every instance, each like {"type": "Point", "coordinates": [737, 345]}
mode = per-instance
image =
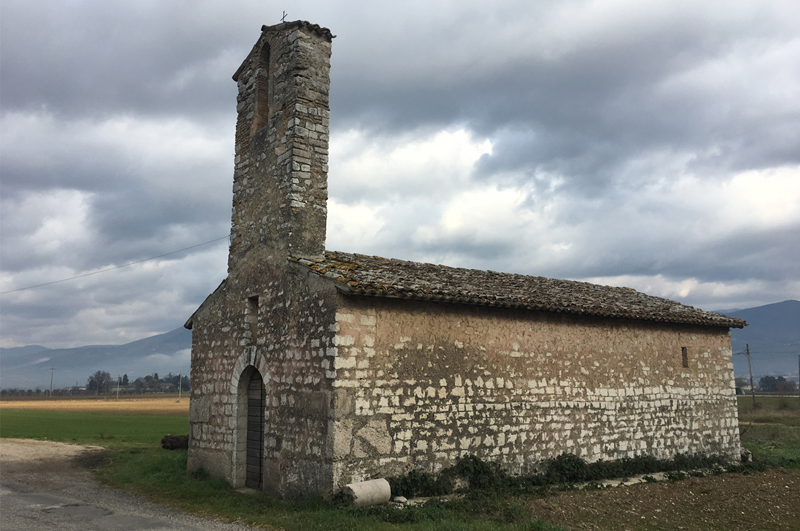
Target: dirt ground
{"type": "Point", "coordinates": [17, 451]}
{"type": "Point", "coordinates": [47, 485]}
{"type": "Point", "coordinates": [762, 501]}
{"type": "Point", "coordinates": [152, 406]}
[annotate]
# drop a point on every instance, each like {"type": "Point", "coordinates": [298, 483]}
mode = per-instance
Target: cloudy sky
{"type": "Point", "coordinates": [654, 145]}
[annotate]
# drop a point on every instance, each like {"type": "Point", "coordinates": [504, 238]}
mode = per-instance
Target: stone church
{"type": "Point", "coordinates": [312, 369]}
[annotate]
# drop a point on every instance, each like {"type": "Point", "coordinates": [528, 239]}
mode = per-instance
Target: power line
{"type": "Point", "coordinates": [766, 352]}
{"type": "Point", "coordinates": [115, 267]}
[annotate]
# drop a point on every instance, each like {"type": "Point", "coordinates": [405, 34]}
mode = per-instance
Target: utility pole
{"type": "Point", "coordinates": [52, 369]}
{"type": "Point", "coordinates": [118, 380]}
{"type": "Point", "coordinates": [180, 374]}
{"type": "Point", "coordinates": [752, 386]}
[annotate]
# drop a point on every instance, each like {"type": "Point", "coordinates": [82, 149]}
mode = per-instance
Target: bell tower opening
{"type": "Point", "coordinates": [261, 117]}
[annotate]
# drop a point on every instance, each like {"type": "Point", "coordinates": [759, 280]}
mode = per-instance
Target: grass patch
{"type": "Point", "coordinates": [771, 430]}
{"type": "Point", "coordinates": [769, 403]}
{"type": "Point", "coordinates": [161, 475]}
{"type": "Point", "coordinates": [104, 429]}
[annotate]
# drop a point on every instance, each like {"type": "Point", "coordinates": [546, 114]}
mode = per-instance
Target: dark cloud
{"type": "Point", "coordinates": [672, 85]}
{"type": "Point", "coordinates": [94, 58]}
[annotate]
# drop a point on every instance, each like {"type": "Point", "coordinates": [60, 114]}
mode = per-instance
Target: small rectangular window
{"type": "Point", "coordinates": [685, 356]}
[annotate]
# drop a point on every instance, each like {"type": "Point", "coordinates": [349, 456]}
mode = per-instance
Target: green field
{"type": "Point", "coordinates": [771, 430]}
{"type": "Point", "coordinates": [110, 430]}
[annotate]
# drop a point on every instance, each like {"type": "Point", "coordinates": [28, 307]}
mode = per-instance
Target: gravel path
{"type": "Point", "coordinates": [48, 485]}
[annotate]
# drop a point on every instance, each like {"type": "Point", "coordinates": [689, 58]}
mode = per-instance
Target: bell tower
{"type": "Point", "coordinates": [280, 180]}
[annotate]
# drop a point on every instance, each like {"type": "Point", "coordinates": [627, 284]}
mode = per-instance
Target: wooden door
{"type": "Point", "coordinates": [256, 396]}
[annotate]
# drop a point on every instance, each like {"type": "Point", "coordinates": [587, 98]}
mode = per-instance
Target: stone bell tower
{"type": "Point", "coordinates": [280, 184]}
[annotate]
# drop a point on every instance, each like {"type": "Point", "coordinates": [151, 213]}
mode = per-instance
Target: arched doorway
{"type": "Point", "coordinates": [254, 460]}
{"type": "Point", "coordinates": [249, 374]}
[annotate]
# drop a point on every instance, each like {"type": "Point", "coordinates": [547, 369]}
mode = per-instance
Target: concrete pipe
{"type": "Point", "coordinates": [370, 492]}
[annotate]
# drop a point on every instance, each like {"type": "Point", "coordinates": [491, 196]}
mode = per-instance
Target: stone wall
{"type": "Point", "coordinates": [293, 347]}
{"type": "Point", "coordinates": [420, 384]}
{"type": "Point", "coordinates": [269, 315]}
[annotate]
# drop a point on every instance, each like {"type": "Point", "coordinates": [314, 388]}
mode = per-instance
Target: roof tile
{"type": "Point", "coordinates": [373, 276]}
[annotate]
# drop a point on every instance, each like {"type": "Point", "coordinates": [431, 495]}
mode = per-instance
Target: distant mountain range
{"type": "Point", "coordinates": [29, 367]}
{"type": "Point", "coordinates": [773, 336]}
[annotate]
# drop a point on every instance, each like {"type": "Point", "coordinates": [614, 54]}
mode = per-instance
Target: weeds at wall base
{"type": "Point", "coordinates": [471, 474]}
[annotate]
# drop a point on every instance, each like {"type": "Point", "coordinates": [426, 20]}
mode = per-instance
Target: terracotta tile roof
{"type": "Point", "coordinates": [373, 276]}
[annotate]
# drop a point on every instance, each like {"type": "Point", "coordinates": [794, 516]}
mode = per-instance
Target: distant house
{"type": "Point", "coordinates": [312, 369]}
{"type": "Point", "coordinates": [742, 386]}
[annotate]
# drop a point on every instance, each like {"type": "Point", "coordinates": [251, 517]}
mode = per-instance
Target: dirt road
{"type": "Point", "coordinates": [48, 485]}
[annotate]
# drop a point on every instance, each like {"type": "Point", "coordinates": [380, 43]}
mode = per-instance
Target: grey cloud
{"type": "Point", "coordinates": [94, 58]}
{"type": "Point", "coordinates": [586, 113]}
{"type": "Point", "coordinates": [666, 246]}
{"type": "Point", "coordinates": [141, 212]}
{"type": "Point", "coordinates": [467, 248]}
{"type": "Point", "coordinates": [115, 307]}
